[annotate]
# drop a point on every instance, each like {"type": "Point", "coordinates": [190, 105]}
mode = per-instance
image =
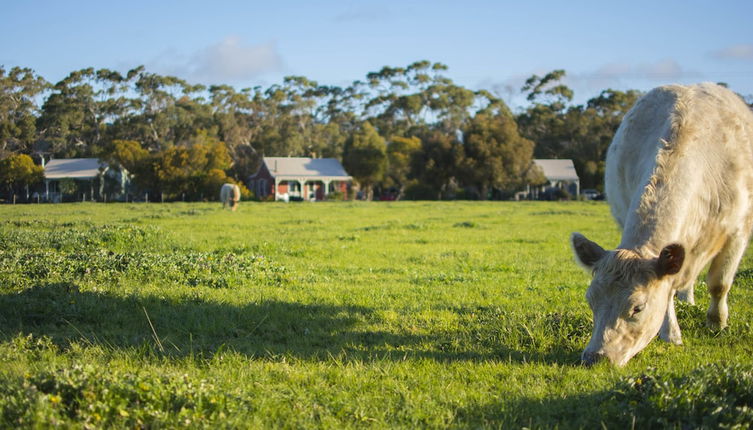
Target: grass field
{"type": "Point", "coordinates": [337, 315]}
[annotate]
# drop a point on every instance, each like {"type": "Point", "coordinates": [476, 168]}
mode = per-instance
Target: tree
{"type": "Point", "coordinates": [365, 157]}
{"type": "Point", "coordinates": [496, 156]}
{"type": "Point", "coordinates": [582, 133]}
{"type": "Point", "coordinates": [403, 101]}
{"type": "Point", "coordinates": [544, 121]}
{"type": "Point", "coordinates": [400, 153]}
{"type": "Point", "coordinates": [237, 115]}
{"type": "Point", "coordinates": [19, 87]}
{"type": "Point", "coordinates": [137, 161]}
{"type": "Point", "coordinates": [437, 163]}
{"type": "Point", "coordinates": [184, 171]}
{"type": "Point", "coordinates": [167, 110]}
{"type": "Point", "coordinates": [591, 129]}
{"type": "Point", "coordinates": [19, 170]}
{"type": "Point", "coordinates": [75, 116]}
{"type": "Point", "coordinates": [548, 90]}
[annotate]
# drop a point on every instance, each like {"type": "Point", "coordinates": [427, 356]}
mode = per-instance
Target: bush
{"type": "Point", "coordinates": [420, 192]}
{"type": "Point", "coordinates": [336, 196]}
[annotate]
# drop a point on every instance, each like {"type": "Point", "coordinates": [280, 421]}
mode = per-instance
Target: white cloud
{"type": "Point", "coordinates": [234, 60]}
{"type": "Point", "coordinates": [589, 83]}
{"type": "Point", "coordinates": [642, 75]}
{"type": "Point", "coordinates": [229, 61]}
{"type": "Point", "coordinates": [661, 70]}
{"type": "Point", "coordinates": [735, 52]}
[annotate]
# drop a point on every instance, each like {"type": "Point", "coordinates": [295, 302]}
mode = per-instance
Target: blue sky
{"type": "Point", "coordinates": [494, 45]}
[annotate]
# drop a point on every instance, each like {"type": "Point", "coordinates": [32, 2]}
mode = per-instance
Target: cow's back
{"type": "Point", "coordinates": [632, 155]}
{"type": "Point", "coordinates": [682, 155]}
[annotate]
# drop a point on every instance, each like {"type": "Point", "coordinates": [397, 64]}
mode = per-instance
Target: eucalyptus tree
{"type": "Point", "coordinates": [400, 154]}
{"type": "Point", "coordinates": [544, 120]}
{"type": "Point", "coordinates": [238, 115]}
{"type": "Point", "coordinates": [581, 133]}
{"type": "Point", "coordinates": [437, 163]}
{"type": "Point", "coordinates": [365, 157]}
{"type": "Point", "coordinates": [167, 110]}
{"type": "Point", "coordinates": [69, 121]}
{"type": "Point", "coordinates": [403, 98]}
{"type": "Point", "coordinates": [20, 90]}
{"type": "Point", "coordinates": [494, 153]}
{"type": "Point", "coordinates": [591, 129]}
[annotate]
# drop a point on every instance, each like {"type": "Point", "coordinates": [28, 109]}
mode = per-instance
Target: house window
{"type": "Point", "coordinates": [294, 186]}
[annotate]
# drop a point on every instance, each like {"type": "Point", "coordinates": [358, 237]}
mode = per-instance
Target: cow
{"type": "Point", "coordinates": [230, 195]}
{"type": "Point", "coordinates": [679, 181]}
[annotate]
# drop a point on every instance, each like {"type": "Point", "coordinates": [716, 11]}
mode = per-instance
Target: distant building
{"type": "Point", "coordinates": [89, 174]}
{"type": "Point", "coordinates": [284, 178]}
{"type": "Point", "coordinates": [560, 174]}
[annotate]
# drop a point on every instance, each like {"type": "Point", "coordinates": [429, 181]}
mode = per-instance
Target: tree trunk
{"type": "Point", "coordinates": [369, 189]}
{"type": "Point", "coordinates": [483, 192]}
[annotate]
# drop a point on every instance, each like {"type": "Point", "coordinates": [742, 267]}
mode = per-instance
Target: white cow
{"type": "Point", "coordinates": [679, 180]}
{"type": "Point", "coordinates": [230, 195]}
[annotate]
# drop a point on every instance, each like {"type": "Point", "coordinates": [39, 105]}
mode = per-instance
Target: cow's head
{"type": "Point", "coordinates": [628, 296]}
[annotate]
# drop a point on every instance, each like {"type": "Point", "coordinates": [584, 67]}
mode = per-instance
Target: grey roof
{"type": "Point", "coordinates": [74, 168]}
{"type": "Point", "coordinates": [558, 170]}
{"type": "Point", "coordinates": [305, 167]}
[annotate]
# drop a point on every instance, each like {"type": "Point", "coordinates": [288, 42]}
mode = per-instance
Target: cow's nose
{"type": "Point", "coordinates": [591, 358]}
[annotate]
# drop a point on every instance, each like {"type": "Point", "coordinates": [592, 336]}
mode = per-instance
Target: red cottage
{"type": "Point", "coordinates": [284, 178]}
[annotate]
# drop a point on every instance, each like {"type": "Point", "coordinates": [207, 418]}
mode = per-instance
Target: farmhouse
{"type": "Point", "coordinates": [89, 176]}
{"type": "Point", "coordinates": [560, 174]}
{"type": "Point", "coordinates": [299, 178]}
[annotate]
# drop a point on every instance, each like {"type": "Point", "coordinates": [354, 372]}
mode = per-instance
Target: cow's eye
{"type": "Point", "coordinates": [637, 309]}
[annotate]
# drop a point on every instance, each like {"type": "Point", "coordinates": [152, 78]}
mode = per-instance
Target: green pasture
{"type": "Point", "coordinates": [337, 315]}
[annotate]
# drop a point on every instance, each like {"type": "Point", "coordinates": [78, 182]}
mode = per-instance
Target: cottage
{"type": "Point", "coordinates": [560, 174]}
{"type": "Point", "coordinates": [89, 174]}
{"type": "Point", "coordinates": [283, 178]}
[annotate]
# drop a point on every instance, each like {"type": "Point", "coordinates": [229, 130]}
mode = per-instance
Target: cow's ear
{"type": "Point", "coordinates": [587, 253]}
{"type": "Point", "coordinates": [670, 260]}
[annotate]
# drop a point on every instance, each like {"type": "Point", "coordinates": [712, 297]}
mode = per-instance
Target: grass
{"type": "Point", "coordinates": [336, 315]}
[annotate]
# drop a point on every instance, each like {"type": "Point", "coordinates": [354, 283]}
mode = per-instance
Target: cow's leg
{"type": "Point", "coordinates": [670, 329]}
{"type": "Point", "coordinates": [687, 294]}
{"type": "Point", "coordinates": [721, 273]}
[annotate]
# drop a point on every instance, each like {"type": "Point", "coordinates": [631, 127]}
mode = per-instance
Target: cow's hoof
{"type": "Point", "coordinates": [715, 325]}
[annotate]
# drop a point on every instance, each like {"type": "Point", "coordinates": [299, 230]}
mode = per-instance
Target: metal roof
{"type": "Point", "coordinates": [558, 170]}
{"type": "Point", "coordinates": [73, 168]}
{"type": "Point", "coordinates": [305, 167]}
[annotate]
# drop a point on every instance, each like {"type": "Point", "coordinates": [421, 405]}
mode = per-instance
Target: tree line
{"type": "Point", "coordinates": [410, 131]}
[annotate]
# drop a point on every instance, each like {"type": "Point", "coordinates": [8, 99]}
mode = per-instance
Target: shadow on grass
{"type": "Point", "coordinates": [192, 326]}
{"type": "Point", "coordinates": [574, 411]}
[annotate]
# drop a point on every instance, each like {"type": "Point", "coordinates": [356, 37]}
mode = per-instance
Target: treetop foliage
{"type": "Point", "coordinates": [400, 127]}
